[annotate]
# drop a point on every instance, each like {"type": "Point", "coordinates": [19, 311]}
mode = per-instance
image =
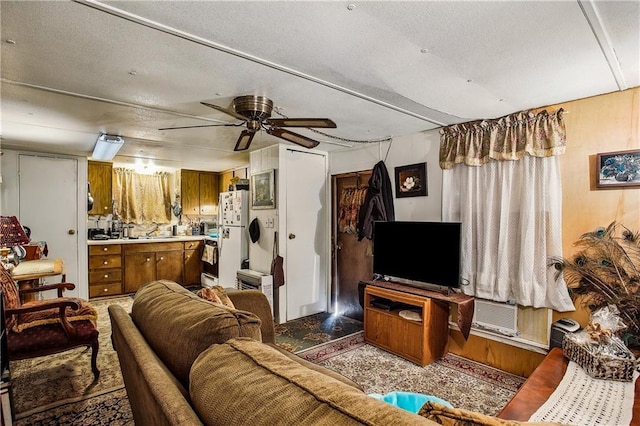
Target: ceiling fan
{"type": "Point", "coordinates": [255, 112]}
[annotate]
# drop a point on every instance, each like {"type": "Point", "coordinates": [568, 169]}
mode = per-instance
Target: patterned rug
{"type": "Point", "coordinates": [59, 389]}
{"type": "Point", "coordinates": [462, 382]}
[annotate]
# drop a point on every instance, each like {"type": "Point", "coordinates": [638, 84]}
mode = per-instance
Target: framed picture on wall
{"type": "Point", "coordinates": [411, 180]}
{"type": "Point", "coordinates": [263, 194]}
{"type": "Point", "coordinates": [619, 169]}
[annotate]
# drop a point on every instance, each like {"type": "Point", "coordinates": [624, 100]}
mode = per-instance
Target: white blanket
{"type": "Point", "coordinates": [582, 400]}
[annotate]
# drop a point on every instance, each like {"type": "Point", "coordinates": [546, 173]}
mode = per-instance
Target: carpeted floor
{"type": "Point", "coordinates": [59, 389]}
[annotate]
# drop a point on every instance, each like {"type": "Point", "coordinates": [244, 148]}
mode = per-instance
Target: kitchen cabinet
{"type": "Point", "coordinates": [147, 262]}
{"type": "Point", "coordinates": [192, 262]}
{"type": "Point", "coordinates": [199, 193]}
{"type": "Point", "coordinates": [100, 179]}
{"type": "Point", "coordinates": [105, 270]}
{"type": "Point", "coordinates": [225, 178]}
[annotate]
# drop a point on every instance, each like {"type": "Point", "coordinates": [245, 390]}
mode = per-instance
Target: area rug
{"type": "Point", "coordinates": [462, 382]}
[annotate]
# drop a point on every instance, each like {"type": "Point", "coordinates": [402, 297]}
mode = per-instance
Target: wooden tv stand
{"type": "Point", "coordinates": [421, 341]}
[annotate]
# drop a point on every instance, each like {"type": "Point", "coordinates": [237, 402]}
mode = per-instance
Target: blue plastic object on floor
{"type": "Point", "coordinates": [408, 400]}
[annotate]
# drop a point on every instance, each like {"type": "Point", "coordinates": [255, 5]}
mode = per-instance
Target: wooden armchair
{"type": "Point", "coordinates": [45, 327]}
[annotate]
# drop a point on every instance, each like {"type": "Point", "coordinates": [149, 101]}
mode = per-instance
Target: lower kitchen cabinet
{"type": "Point", "coordinates": [147, 262]}
{"type": "Point", "coordinates": [192, 262]}
{"type": "Point", "coordinates": [116, 269]}
{"type": "Point", "coordinates": [105, 270]}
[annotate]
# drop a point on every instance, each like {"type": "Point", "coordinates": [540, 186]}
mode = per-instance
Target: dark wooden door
{"type": "Point", "coordinates": [352, 260]}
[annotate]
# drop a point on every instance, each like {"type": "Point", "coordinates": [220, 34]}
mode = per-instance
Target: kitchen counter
{"type": "Point", "coordinates": [169, 239]}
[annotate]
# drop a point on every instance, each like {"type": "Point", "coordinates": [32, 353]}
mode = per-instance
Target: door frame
{"type": "Point", "coordinates": [10, 204]}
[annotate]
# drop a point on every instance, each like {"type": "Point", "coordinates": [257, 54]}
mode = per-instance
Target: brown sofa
{"type": "Point", "coordinates": [187, 361]}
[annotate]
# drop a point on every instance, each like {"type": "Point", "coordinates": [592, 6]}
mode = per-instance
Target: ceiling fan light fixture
{"type": "Point", "coordinates": [293, 137]}
{"type": "Point", "coordinates": [107, 146]}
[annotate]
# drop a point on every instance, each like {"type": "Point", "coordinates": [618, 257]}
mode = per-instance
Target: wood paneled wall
{"type": "Point", "coordinates": [605, 123]}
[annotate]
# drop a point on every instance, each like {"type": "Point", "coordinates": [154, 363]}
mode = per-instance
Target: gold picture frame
{"type": "Point", "coordinates": [263, 194]}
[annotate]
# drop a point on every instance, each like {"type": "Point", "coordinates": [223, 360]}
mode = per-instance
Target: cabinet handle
{"type": "Point", "coordinates": [105, 289]}
{"type": "Point", "coordinates": [106, 275]}
{"type": "Point", "coordinates": [105, 262]}
{"type": "Point", "coordinates": [105, 249]}
{"type": "Point", "coordinates": [161, 257]}
{"type": "Point", "coordinates": [148, 260]}
{"type": "Point", "coordinates": [106, 207]}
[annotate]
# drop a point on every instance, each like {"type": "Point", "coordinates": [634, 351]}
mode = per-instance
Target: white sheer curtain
{"type": "Point", "coordinates": [511, 214]}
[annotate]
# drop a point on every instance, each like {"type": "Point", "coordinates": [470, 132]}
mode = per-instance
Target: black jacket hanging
{"type": "Point", "coordinates": [378, 203]}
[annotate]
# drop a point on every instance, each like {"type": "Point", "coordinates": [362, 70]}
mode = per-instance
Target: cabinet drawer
{"type": "Point", "coordinates": [104, 276]}
{"type": "Point", "coordinates": [106, 289]}
{"type": "Point", "coordinates": [152, 247]}
{"type": "Point", "coordinates": [107, 261]}
{"type": "Point", "coordinates": [105, 249]}
{"type": "Point", "coordinates": [192, 245]}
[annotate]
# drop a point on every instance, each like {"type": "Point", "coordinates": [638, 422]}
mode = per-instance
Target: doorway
{"type": "Point", "coordinates": [351, 260]}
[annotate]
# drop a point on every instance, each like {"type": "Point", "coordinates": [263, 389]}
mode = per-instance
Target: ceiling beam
{"type": "Point", "coordinates": [602, 37]}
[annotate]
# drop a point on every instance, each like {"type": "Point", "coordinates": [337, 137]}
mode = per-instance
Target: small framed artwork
{"type": "Point", "coordinates": [263, 194]}
{"type": "Point", "coordinates": [618, 169]}
{"type": "Point", "coordinates": [411, 180]}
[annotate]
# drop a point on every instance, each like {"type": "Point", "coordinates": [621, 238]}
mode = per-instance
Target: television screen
{"type": "Point", "coordinates": [421, 253]}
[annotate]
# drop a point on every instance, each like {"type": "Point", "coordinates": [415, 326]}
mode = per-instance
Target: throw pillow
{"type": "Point", "coordinates": [216, 294]}
{"type": "Point", "coordinates": [208, 294]}
{"type": "Point", "coordinates": [444, 415]}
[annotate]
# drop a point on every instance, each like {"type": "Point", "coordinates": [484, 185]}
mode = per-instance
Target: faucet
{"type": "Point", "coordinates": [155, 228]}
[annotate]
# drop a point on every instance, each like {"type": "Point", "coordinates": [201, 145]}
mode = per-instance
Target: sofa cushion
{"type": "Point", "coordinates": [178, 325]}
{"type": "Point", "coordinates": [249, 382]}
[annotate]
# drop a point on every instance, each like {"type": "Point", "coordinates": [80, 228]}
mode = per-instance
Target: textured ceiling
{"type": "Point", "coordinates": [73, 69]}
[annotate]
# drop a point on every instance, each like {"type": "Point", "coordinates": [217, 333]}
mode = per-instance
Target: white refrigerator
{"type": "Point", "coordinates": [233, 235]}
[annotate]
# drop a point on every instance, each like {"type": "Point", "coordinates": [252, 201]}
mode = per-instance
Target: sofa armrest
{"type": "Point", "coordinates": [257, 303]}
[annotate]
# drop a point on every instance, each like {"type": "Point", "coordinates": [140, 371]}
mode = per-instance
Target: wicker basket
{"type": "Point", "coordinates": [599, 366]}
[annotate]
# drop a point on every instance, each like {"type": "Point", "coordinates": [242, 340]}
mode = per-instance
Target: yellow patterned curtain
{"type": "Point", "coordinates": [142, 199]}
{"type": "Point", "coordinates": [506, 138]}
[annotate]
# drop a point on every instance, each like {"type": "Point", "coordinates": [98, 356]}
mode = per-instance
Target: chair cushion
{"type": "Point", "coordinates": [48, 338]}
{"type": "Point", "coordinates": [179, 325]}
{"type": "Point", "coordinates": [85, 312]}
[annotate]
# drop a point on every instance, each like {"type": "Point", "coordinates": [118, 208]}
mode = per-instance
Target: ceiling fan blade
{"type": "Point", "coordinates": [202, 125]}
{"type": "Point", "coordinates": [244, 140]}
{"type": "Point", "coordinates": [302, 122]}
{"type": "Point", "coordinates": [293, 137]}
{"type": "Point", "coordinates": [226, 111]}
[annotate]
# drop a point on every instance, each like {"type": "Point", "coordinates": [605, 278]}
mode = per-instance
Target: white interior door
{"type": "Point", "coordinates": [306, 236]}
{"type": "Point", "coordinates": [48, 204]}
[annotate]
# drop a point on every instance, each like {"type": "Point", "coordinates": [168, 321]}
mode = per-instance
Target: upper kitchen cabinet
{"type": "Point", "coordinates": [100, 181]}
{"type": "Point", "coordinates": [226, 177]}
{"type": "Point", "coordinates": [199, 192]}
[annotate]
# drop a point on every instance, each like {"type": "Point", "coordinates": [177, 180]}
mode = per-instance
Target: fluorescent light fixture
{"type": "Point", "coordinates": [107, 146]}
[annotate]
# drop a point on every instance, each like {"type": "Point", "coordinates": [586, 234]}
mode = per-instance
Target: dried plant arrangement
{"type": "Point", "coordinates": [605, 272]}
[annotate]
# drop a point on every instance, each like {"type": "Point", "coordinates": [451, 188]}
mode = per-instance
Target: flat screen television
{"type": "Point", "coordinates": [423, 254]}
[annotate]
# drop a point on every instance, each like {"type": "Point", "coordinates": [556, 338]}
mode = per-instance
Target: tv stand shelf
{"type": "Point", "coordinates": [421, 342]}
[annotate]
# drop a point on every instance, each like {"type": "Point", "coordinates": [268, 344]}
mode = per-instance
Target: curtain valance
{"type": "Point", "coordinates": [505, 138]}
